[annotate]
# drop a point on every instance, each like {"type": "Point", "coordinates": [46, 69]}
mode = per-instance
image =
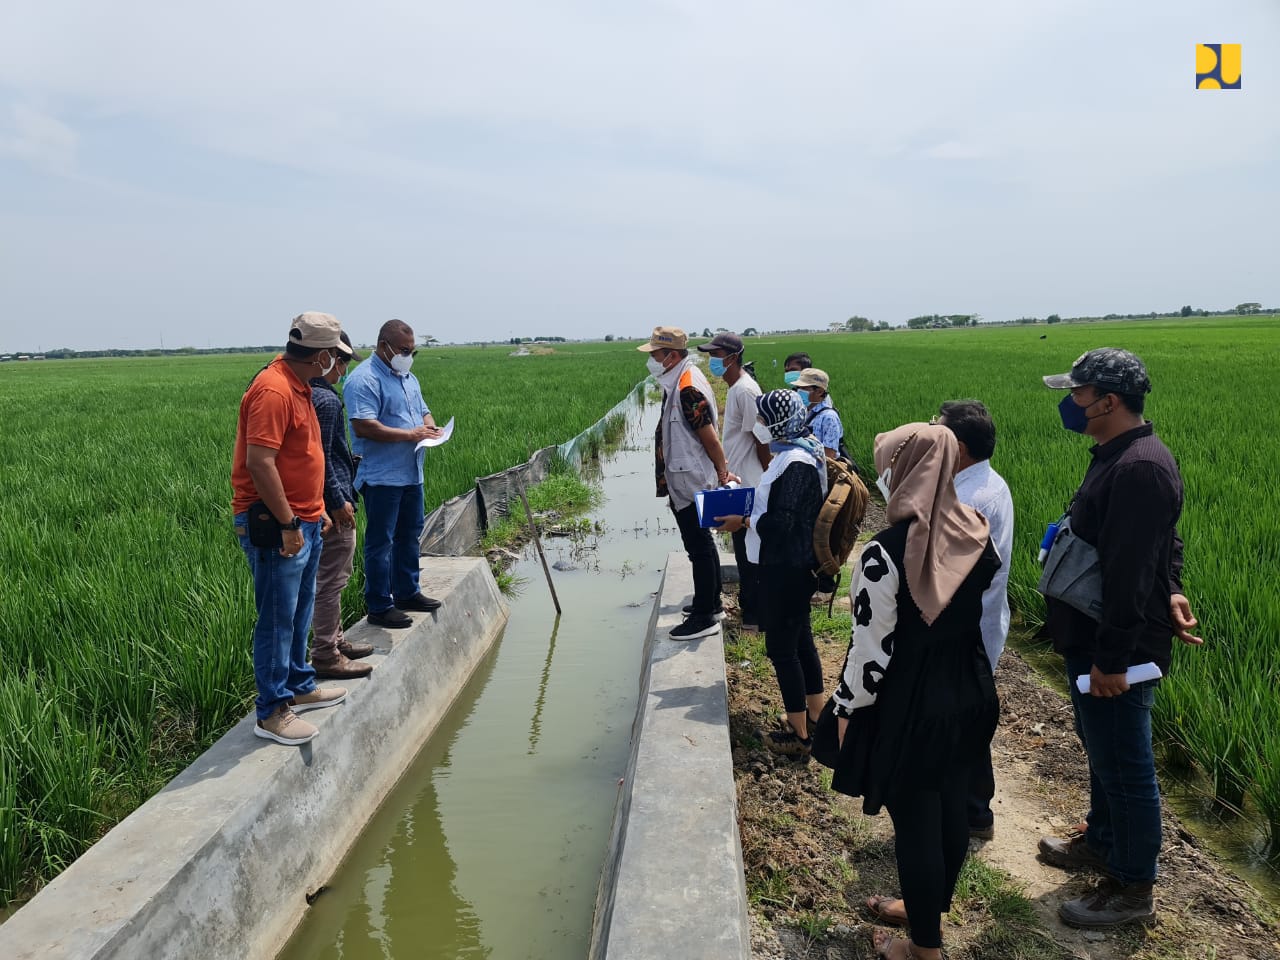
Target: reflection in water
{"type": "Point", "coordinates": [535, 725]}
{"type": "Point", "coordinates": [492, 843]}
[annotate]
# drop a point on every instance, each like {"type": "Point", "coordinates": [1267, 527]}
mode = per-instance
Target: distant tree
{"type": "Point", "coordinates": [836, 327]}
{"type": "Point", "coordinates": [959, 320]}
{"type": "Point", "coordinates": [1251, 307]}
{"type": "Point", "coordinates": [428, 340]}
{"type": "Point", "coordinates": [1187, 311]}
{"type": "Point", "coordinates": [1053, 318]}
{"type": "Point", "coordinates": [608, 338]}
{"type": "Point", "coordinates": [750, 332]}
{"type": "Point", "coordinates": [706, 332]}
{"type": "Point", "coordinates": [919, 323]}
{"type": "Point", "coordinates": [857, 324]}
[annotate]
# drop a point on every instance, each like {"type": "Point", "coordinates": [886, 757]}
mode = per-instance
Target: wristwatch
{"type": "Point", "coordinates": [294, 524]}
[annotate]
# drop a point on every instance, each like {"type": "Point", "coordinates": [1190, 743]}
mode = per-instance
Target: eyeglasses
{"type": "Point", "coordinates": [403, 351]}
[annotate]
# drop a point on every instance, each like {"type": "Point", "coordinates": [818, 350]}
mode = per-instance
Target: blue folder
{"type": "Point", "coordinates": [723, 502]}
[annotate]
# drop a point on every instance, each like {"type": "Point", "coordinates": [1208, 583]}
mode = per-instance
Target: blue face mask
{"type": "Point", "coordinates": [790, 377]}
{"type": "Point", "coordinates": [717, 366]}
{"type": "Point", "coordinates": [1073, 415]}
{"type": "Point", "coordinates": [342, 381]}
{"type": "Point", "coordinates": [804, 396]}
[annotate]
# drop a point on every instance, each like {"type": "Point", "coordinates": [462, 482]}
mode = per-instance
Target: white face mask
{"type": "Point", "coordinates": [655, 367]}
{"type": "Point", "coordinates": [401, 364]}
{"type": "Point", "coordinates": [761, 433]}
{"type": "Point", "coordinates": [333, 362]}
{"type": "Point", "coordinates": [882, 483]}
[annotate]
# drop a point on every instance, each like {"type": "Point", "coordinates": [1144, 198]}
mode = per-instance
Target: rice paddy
{"type": "Point", "coordinates": [125, 622]}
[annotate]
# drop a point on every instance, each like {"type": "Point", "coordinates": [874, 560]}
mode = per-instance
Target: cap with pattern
{"type": "Point", "coordinates": [1111, 368]}
{"type": "Point", "coordinates": [665, 338]}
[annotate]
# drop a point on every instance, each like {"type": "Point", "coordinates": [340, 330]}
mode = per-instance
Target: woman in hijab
{"type": "Point", "coordinates": [780, 539]}
{"type": "Point", "coordinates": [916, 701]}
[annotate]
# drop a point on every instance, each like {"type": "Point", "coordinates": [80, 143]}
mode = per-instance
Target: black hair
{"type": "Point", "coordinates": [971, 422]}
{"type": "Point", "coordinates": [1133, 402]}
{"type": "Point", "coordinates": [798, 358]}
{"type": "Point", "coordinates": [393, 327]}
{"type": "Point", "coordinates": [296, 351]}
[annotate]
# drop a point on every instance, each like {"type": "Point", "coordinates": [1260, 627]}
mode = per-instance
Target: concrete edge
{"type": "Point", "coordinates": [221, 861]}
{"type": "Point", "coordinates": [673, 882]}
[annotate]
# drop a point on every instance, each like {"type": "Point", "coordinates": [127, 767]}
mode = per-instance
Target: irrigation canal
{"type": "Point", "coordinates": [492, 843]}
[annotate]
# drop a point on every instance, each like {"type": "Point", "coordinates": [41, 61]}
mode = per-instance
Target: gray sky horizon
{"type": "Point", "coordinates": [198, 176]}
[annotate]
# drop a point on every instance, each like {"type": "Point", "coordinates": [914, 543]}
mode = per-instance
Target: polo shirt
{"type": "Point", "coordinates": [276, 412]}
{"type": "Point", "coordinates": [374, 391]}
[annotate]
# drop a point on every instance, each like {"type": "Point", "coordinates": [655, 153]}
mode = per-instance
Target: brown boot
{"type": "Point", "coordinates": [1110, 905]}
{"type": "Point", "coordinates": [1071, 853]}
{"type": "Point", "coordinates": [354, 651]}
{"type": "Point", "coordinates": [340, 668]}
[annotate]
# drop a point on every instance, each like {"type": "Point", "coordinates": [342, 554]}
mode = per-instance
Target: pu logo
{"type": "Point", "coordinates": [1217, 66]}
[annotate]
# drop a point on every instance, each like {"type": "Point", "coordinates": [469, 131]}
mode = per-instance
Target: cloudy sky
{"type": "Point", "coordinates": [198, 174]}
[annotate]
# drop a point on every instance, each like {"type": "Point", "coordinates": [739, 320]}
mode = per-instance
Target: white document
{"type": "Point", "coordinates": [1135, 674]}
{"type": "Point", "coordinates": [435, 442]}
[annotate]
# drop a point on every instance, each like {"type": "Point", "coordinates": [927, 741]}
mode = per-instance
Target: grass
{"type": "Point", "coordinates": [127, 611]}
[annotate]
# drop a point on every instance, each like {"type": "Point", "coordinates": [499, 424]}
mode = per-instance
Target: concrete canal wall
{"type": "Point", "coordinates": [222, 861]}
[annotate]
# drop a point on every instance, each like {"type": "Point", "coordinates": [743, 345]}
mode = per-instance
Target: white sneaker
{"type": "Point", "coordinates": [285, 726]}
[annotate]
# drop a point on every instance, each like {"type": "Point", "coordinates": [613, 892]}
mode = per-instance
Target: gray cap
{"type": "Point", "coordinates": [729, 342]}
{"type": "Point", "coordinates": [1115, 370]}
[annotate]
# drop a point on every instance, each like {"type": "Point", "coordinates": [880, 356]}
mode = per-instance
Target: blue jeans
{"type": "Point", "coordinates": [284, 593]}
{"type": "Point", "coordinates": [1124, 798]}
{"type": "Point", "coordinates": [393, 529]}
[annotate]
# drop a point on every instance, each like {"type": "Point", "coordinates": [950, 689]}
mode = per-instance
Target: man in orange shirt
{"type": "Point", "coordinates": [277, 479]}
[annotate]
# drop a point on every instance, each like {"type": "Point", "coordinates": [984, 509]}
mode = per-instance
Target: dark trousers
{"type": "Point", "coordinates": [704, 557]}
{"type": "Point", "coordinates": [982, 787]}
{"type": "Point", "coordinates": [393, 527]}
{"type": "Point", "coordinates": [1124, 799]}
{"type": "Point", "coordinates": [931, 838]}
{"type": "Point", "coordinates": [748, 581]}
{"type": "Point", "coordinates": [788, 634]}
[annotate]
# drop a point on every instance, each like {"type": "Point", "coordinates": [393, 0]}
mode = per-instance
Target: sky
{"type": "Point", "coordinates": [196, 174]}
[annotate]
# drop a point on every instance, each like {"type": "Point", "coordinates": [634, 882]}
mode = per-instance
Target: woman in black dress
{"type": "Point", "coordinates": [916, 700]}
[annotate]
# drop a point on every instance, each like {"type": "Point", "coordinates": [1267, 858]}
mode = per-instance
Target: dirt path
{"type": "Point", "coordinates": [812, 857]}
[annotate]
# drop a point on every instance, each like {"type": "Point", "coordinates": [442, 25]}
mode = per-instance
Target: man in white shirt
{"type": "Point", "coordinates": [978, 485]}
{"type": "Point", "coordinates": [745, 452]}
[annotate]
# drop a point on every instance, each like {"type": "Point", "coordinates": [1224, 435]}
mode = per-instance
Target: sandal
{"type": "Point", "coordinates": [785, 725]}
{"type": "Point", "coordinates": [876, 905]}
{"type": "Point", "coordinates": [885, 943]}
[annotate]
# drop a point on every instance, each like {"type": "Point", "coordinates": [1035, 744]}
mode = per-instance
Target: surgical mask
{"type": "Point", "coordinates": [790, 377]}
{"type": "Point", "coordinates": [1073, 415]}
{"type": "Point", "coordinates": [804, 396]}
{"type": "Point", "coordinates": [717, 366]}
{"type": "Point", "coordinates": [654, 367]}
{"type": "Point", "coordinates": [401, 364]}
{"type": "Point", "coordinates": [333, 362]}
{"type": "Point", "coordinates": [761, 433]}
{"type": "Point", "coordinates": [882, 483]}
{"type": "Point", "coordinates": [342, 381]}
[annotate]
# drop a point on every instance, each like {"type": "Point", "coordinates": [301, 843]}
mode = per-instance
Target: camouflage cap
{"type": "Point", "coordinates": [1115, 370]}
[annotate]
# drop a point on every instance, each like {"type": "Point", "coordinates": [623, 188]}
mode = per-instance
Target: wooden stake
{"type": "Point", "coordinates": [533, 528]}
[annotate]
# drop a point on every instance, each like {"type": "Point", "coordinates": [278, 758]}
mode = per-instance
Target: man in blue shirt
{"type": "Point", "coordinates": [388, 419]}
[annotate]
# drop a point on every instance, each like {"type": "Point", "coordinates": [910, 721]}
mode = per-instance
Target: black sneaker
{"type": "Point", "coordinates": [1072, 853]}
{"type": "Point", "coordinates": [987, 832]}
{"type": "Point", "coordinates": [787, 744]}
{"type": "Point", "coordinates": [695, 627]}
{"type": "Point", "coordinates": [717, 613]}
{"type": "Point", "coordinates": [391, 618]}
{"type": "Point", "coordinates": [419, 602]}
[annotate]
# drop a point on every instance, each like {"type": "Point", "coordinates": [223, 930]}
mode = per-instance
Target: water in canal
{"type": "Point", "coordinates": [492, 843]}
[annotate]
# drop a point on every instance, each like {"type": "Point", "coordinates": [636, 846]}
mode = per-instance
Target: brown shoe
{"type": "Point", "coordinates": [340, 668]}
{"type": "Point", "coordinates": [354, 651]}
{"type": "Point", "coordinates": [1111, 904]}
{"type": "Point", "coordinates": [317, 698]}
{"type": "Point", "coordinates": [1071, 854]}
{"type": "Point", "coordinates": [284, 726]}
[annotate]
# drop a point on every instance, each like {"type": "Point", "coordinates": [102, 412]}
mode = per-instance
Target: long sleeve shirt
{"type": "Point", "coordinates": [1127, 507]}
{"type": "Point", "coordinates": [982, 488]}
{"type": "Point", "coordinates": [339, 468]}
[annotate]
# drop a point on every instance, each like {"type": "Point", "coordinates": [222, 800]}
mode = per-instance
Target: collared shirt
{"type": "Point", "coordinates": [339, 468]}
{"type": "Point", "coordinates": [825, 423]}
{"type": "Point", "coordinates": [1127, 507]}
{"type": "Point", "coordinates": [376, 392]}
{"type": "Point", "coordinates": [982, 488]}
{"type": "Point", "coordinates": [276, 412]}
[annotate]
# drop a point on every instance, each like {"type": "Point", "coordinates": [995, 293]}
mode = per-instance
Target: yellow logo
{"type": "Point", "coordinates": [1217, 66]}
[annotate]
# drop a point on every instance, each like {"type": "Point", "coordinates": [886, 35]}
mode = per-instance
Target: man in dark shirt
{"type": "Point", "coordinates": [1127, 508]}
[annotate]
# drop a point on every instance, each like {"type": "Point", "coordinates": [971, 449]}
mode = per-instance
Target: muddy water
{"type": "Point", "coordinates": [492, 844]}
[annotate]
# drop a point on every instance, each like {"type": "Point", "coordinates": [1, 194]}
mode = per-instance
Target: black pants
{"type": "Point", "coordinates": [931, 839]}
{"type": "Point", "coordinates": [704, 557]}
{"type": "Point", "coordinates": [748, 580]}
{"type": "Point", "coordinates": [982, 787]}
{"type": "Point", "coordinates": [788, 635]}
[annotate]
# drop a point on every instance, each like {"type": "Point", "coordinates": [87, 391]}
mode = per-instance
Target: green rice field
{"type": "Point", "coordinates": [125, 622]}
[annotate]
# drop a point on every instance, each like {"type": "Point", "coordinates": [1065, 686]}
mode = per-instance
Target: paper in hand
{"type": "Point", "coordinates": [1135, 674]}
{"type": "Point", "coordinates": [445, 434]}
